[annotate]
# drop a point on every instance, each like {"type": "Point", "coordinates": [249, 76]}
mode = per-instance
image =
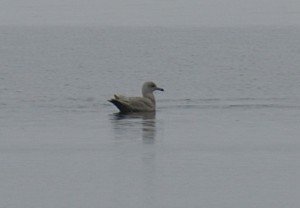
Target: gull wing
{"type": "Point", "coordinates": [132, 104]}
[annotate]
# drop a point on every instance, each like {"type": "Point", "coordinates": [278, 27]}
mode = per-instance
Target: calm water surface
{"type": "Point", "coordinates": [225, 134]}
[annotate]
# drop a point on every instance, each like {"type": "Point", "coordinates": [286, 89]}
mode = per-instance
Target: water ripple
{"type": "Point", "coordinates": [231, 103]}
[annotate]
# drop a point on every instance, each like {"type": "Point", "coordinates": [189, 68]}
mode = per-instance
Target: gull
{"type": "Point", "coordinates": [137, 104]}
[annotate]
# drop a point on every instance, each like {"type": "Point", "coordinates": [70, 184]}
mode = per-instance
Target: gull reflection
{"type": "Point", "coordinates": [135, 125]}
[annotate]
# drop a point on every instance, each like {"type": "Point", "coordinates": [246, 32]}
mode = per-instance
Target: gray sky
{"type": "Point", "coordinates": [150, 12]}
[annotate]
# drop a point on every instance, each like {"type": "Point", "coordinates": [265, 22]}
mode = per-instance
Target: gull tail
{"type": "Point", "coordinates": [122, 106]}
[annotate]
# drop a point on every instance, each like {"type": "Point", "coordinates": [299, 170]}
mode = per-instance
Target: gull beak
{"type": "Point", "coordinates": [160, 89]}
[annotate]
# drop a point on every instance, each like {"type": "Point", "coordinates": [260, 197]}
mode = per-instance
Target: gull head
{"type": "Point", "coordinates": [149, 87]}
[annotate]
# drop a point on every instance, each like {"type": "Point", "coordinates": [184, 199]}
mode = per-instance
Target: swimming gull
{"type": "Point", "coordinates": [137, 104]}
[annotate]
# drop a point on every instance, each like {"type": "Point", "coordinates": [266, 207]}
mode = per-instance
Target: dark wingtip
{"type": "Point", "coordinates": [122, 108]}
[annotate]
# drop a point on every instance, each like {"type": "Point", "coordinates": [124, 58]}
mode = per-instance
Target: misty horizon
{"type": "Point", "coordinates": [150, 13]}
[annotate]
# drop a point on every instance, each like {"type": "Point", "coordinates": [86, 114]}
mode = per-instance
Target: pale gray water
{"type": "Point", "coordinates": [225, 134]}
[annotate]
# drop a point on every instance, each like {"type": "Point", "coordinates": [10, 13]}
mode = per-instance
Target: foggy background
{"type": "Point", "coordinates": [150, 12]}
